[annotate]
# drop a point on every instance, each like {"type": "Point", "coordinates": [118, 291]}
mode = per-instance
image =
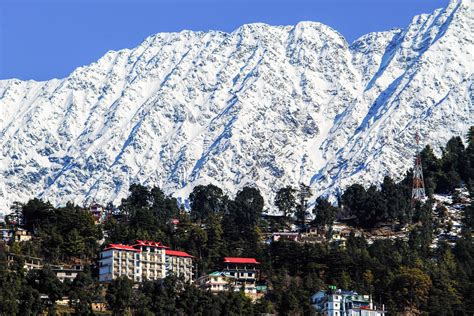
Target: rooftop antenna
{"type": "Point", "coordinates": [418, 190]}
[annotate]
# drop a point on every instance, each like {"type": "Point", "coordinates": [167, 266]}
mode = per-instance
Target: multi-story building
{"type": "Point", "coordinates": [336, 302]}
{"type": "Point", "coordinates": [238, 274]}
{"type": "Point", "coordinates": [216, 282]}
{"type": "Point", "coordinates": [145, 260]}
{"type": "Point", "coordinates": [119, 260]}
{"type": "Point", "coordinates": [152, 259]}
{"type": "Point", "coordinates": [179, 263]}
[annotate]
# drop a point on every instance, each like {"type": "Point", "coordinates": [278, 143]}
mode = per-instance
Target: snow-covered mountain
{"type": "Point", "coordinates": [264, 105]}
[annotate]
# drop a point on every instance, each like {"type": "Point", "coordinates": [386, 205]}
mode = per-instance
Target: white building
{"type": "Point", "coordinates": [179, 263]}
{"type": "Point", "coordinates": [216, 282]}
{"type": "Point", "coordinates": [67, 273]}
{"type": "Point", "coordinates": [336, 302]}
{"type": "Point", "coordinates": [238, 274]}
{"type": "Point", "coordinates": [145, 260]}
{"type": "Point", "coordinates": [119, 260]}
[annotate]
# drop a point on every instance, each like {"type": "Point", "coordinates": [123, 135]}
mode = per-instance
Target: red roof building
{"type": "Point", "coordinates": [179, 263]}
{"type": "Point", "coordinates": [121, 247]}
{"type": "Point", "coordinates": [176, 253]}
{"type": "Point", "coordinates": [243, 269]}
{"type": "Point", "coordinates": [238, 260]}
{"type": "Point", "coordinates": [149, 243]}
{"type": "Point", "coordinates": [144, 260]}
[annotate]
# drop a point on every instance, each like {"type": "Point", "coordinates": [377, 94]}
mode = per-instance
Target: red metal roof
{"type": "Point", "coordinates": [240, 260]}
{"type": "Point", "coordinates": [176, 253]}
{"type": "Point", "coordinates": [149, 243]}
{"type": "Point", "coordinates": [121, 247]}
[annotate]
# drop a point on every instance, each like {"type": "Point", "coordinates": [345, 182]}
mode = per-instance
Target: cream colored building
{"type": "Point", "coordinates": [67, 273]}
{"type": "Point", "coordinates": [145, 260]}
{"type": "Point", "coordinates": [180, 264]}
{"type": "Point", "coordinates": [238, 274]}
{"type": "Point", "coordinates": [216, 282]}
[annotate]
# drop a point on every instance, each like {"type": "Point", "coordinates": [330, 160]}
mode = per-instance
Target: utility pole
{"type": "Point", "coordinates": [418, 189]}
{"type": "Point", "coordinates": [304, 194]}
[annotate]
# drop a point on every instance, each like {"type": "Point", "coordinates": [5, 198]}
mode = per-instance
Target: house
{"type": "Point", "coordinates": [98, 305]}
{"type": "Point", "coordinates": [145, 260]}
{"type": "Point", "coordinates": [336, 302]}
{"type": "Point", "coordinates": [339, 234]}
{"type": "Point", "coordinates": [174, 223]}
{"type": "Point", "coordinates": [98, 212]}
{"type": "Point", "coordinates": [238, 274]}
{"type": "Point", "coordinates": [30, 263]}
{"type": "Point", "coordinates": [6, 234]}
{"type": "Point", "coordinates": [15, 234]}
{"type": "Point", "coordinates": [22, 235]}
{"type": "Point", "coordinates": [67, 273]}
{"type": "Point", "coordinates": [216, 282]}
{"type": "Point", "coordinates": [285, 236]}
{"type": "Point", "coordinates": [63, 301]}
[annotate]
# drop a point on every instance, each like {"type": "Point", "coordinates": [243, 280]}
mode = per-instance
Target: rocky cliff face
{"type": "Point", "coordinates": [264, 105]}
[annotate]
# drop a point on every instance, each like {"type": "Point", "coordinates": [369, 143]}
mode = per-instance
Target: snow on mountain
{"type": "Point", "coordinates": [264, 105]}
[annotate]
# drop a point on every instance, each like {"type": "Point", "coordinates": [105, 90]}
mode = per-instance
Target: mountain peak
{"type": "Point", "coordinates": [263, 105]}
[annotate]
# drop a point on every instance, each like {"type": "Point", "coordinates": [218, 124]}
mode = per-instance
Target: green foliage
{"type": "Point", "coordinates": [82, 293]}
{"type": "Point", "coordinates": [396, 199]}
{"type": "Point", "coordinates": [144, 214]}
{"type": "Point", "coordinates": [302, 213]}
{"type": "Point", "coordinates": [285, 201]}
{"type": "Point", "coordinates": [206, 201]}
{"type": "Point", "coordinates": [410, 288]}
{"type": "Point", "coordinates": [456, 165]}
{"type": "Point", "coordinates": [325, 213]}
{"type": "Point", "coordinates": [120, 295]}
{"type": "Point", "coordinates": [240, 222]}
{"type": "Point", "coordinates": [8, 294]}
{"type": "Point", "coordinates": [45, 281]}
{"type": "Point", "coordinates": [65, 232]}
{"type": "Point", "coordinates": [172, 296]}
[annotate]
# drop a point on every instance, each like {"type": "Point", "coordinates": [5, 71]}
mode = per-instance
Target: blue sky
{"type": "Point", "coordinates": [44, 39]}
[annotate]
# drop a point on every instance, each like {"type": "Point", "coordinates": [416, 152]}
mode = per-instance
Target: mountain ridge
{"type": "Point", "coordinates": [267, 107]}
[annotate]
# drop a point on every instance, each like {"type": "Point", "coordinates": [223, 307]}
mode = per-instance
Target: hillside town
{"type": "Point", "coordinates": [146, 260]}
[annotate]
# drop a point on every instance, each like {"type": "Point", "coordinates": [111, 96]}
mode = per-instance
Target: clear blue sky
{"type": "Point", "coordinates": [44, 39]}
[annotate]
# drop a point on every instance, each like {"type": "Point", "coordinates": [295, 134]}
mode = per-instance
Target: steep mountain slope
{"type": "Point", "coordinates": [264, 105]}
